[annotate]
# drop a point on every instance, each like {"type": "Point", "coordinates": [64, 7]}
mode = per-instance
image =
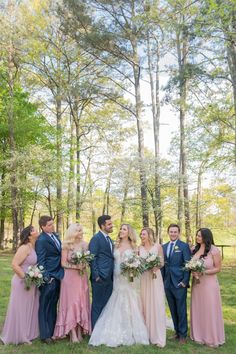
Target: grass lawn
{"type": "Point", "coordinates": [227, 280]}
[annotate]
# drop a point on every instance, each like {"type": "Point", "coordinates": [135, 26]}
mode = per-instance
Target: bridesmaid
{"type": "Point", "coordinates": [152, 292]}
{"type": "Point", "coordinates": [21, 323]}
{"type": "Point", "coordinates": [73, 316]}
{"type": "Point", "coordinates": [206, 320]}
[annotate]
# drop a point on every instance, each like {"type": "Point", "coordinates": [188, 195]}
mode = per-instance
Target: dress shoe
{"type": "Point", "coordinates": [48, 341]}
{"type": "Point", "coordinates": [175, 337]}
{"type": "Point", "coordinates": [182, 341]}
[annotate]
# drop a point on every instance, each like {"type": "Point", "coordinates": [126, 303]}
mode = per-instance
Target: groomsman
{"type": "Point", "coordinates": [48, 249]}
{"type": "Point", "coordinates": [101, 267]}
{"type": "Point", "coordinates": [176, 280]}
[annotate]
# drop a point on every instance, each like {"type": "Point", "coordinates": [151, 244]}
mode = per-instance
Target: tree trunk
{"type": "Point", "coordinates": [155, 99]}
{"type": "Point", "coordinates": [138, 109]}
{"type": "Point", "coordinates": [13, 167]}
{"type": "Point", "coordinates": [106, 198]}
{"type": "Point", "coordinates": [2, 211]}
{"type": "Point", "coordinates": [93, 216]}
{"type": "Point", "coordinates": [70, 194]}
{"type": "Point", "coordinates": [59, 163]}
{"type": "Point", "coordinates": [230, 40]}
{"type": "Point", "coordinates": [198, 199]}
{"type": "Point", "coordinates": [125, 193]}
{"type": "Point", "coordinates": [182, 50]}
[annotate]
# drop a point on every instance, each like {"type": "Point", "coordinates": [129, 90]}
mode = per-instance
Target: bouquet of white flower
{"type": "Point", "coordinates": [132, 266]}
{"type": "Point", "coordinates": [151, 261]}
{"type": "Point", "coordinates": [81, 257]}
{"type": "Point", "coordinates": [34, 275]}
{"type": "Point", "coordinates": [195, 265]}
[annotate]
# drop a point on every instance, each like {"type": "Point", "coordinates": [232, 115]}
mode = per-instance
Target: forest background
{"type": "Point", "coordinates": [119, 107]}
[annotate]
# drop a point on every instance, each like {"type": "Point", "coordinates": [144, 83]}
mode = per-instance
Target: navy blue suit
{"type": "Point", "coordinates": [102, 267]}
{"type": "Point", "coordinates": [49, 256]}
{"type": "Point", "coordinates": [173, 274]}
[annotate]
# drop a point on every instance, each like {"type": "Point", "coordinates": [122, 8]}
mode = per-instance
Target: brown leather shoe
{"type": "Point", "coordinates": [175, 337]}
{"type": "Point", "coordinates": [182, 341]}
{"type": "Point", "coordinates": [48, 341]}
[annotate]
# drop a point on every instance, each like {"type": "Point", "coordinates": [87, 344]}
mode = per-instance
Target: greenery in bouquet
{"type": "Point", "coordinates": [152, 260]}
{"type": "Point", "coordinates": [34, 276]}
{"type": "Point", "coordinates": [132, 266]}
{"type": "Point", "coordinates": [195, 265]}
{"type": "Point", "coordinates": [81, 258]}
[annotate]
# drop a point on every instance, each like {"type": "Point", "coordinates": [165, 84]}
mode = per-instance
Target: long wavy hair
{"type": "Point", "coordinates": [207, 238]}
{"type": "Point", "coordinates": [131, 236]}
{"type": "Point", "coordinates": [151, 235]}
{"type": "Point", "coordinates": [70, 236]}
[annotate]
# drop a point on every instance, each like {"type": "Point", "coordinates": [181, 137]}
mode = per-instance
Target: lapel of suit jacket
{"type": "Point", "coordinates": [105, 242]}
{"type": "Point", "coordinates": [51, 241]}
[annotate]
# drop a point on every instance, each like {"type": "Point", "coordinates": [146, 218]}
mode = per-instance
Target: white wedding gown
{"type": "Point", "coordinates": [121, 321]}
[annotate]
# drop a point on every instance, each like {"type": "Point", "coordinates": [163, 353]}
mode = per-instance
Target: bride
{"type": "Point", "coordinates": [121, 321]}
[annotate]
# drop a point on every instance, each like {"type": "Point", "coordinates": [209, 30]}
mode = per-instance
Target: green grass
{"type": "Point", "coordinates": [227, 279]}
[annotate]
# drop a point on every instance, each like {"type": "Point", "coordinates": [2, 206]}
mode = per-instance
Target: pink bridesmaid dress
{"type": "Point", "coordinates": [153, 302]}
{"type": "Point", "coordinates": [21, 323]}
{"type": "Point", "coordinates": [206, 319]}
{"type": "Point", "coordinates": [74, 303]}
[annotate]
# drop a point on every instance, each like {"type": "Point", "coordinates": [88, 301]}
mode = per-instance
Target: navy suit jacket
{"type": "Point", "coordinates": [49, 256]}
{"type": "Point", "coordinates": [103, 263]}
{"type": "Point", "coordinates": [173, 269]}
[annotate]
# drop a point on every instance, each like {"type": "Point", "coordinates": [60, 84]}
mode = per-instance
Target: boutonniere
{"type": "Point", "coordinates": [176, 248]}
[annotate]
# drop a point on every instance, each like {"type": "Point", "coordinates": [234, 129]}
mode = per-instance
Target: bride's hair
{"type": "Point", "coordinates": [70, 236]}
{"type": "Point", "coordinates": [150, 232]}
{"type": "Point", "coordinates": [131, 236]}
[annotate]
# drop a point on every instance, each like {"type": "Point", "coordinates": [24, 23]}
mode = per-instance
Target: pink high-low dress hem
{"type": "Point", "coordinates": [206, 319]}
{"type": "Point", "coordinates": [21, 323]}
{"type": "Point", "coordinates": [153, 302]}
{"type": "Point", "coordinates": [74, 303]}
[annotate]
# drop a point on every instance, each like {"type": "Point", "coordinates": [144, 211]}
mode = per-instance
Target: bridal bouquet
{"type": "Point", "coordinates": [34, 276]}
{"type": "Point", "coordinates": [195, 265]}
{"type": "Point", "coordinates": [151, 261]}
{"type": "Point", "coordinates": [81, 257]}
{"type": "Point", "coordinates": [132, 266]}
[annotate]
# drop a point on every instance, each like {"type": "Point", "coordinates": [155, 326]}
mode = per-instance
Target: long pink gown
{"type": "Point", "coordinates": [21, 323]}
{"type": "Point", "coordinates": [74, 303]}
{"type": "Point", "coordinates": [153, 302]}
{"type": "Point", "coordinates": [206, 319]}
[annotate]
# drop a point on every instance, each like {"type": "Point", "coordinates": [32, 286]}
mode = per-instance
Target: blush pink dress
{"type": "Point", "coordinates": [153, 302]}
{"type": "Point", "coordinates": [74, 303]}
{"type": "Point", "coordinates": [206, 319]}
{"type": "Point", "coordinates": [21, 323]}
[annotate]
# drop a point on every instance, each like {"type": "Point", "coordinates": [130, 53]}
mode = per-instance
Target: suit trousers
{"type": "Point", "coordinates": [177, 301]}
{"type": "Point", "coordinates": [49, 295]}
{"type": "Point", "coordinates": [101, 292]}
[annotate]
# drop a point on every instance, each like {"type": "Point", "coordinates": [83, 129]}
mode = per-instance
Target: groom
{"type": "Point", "coordinates": [101, 267]}
{"type": "Point", "coordinates": [48, 250]}
{"type": "Point", "coordinates": [176, 254]}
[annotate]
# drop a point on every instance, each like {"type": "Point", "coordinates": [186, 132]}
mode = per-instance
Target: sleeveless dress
{"type": "Point", "coordinates": [21, 323]}
{"type": "Point", "coordinates": [153, 301]}
{"type": "Point", "coordinates": [74, 303]}
{"type": "Point", "coordinates": [206, 319]}
{"type": "Point", "coordinates": [121, 321]}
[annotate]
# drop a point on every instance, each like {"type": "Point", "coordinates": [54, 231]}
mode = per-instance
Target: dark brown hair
{"type": "Point", "coordinates": [44, 219]}
{"type": "Point", "coordinates": [173, 225]}
{"type": "Point", "coordinates": [25, 234]}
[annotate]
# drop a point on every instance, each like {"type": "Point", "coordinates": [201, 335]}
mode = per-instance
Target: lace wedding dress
{"type": "Point", "coordinates": [121, 321]}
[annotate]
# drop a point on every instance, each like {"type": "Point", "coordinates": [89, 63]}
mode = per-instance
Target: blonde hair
{"type": "Point", "coordinates": [70, 236]}
{"type": "Point", "coordinates": [131, 236]}
{"type": "Point", "coordinates": [151, 235]}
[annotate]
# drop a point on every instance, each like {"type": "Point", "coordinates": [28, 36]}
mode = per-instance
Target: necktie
{"type": "Point", "coordinates": [109, 241]}
{"type": "Point", "coordinates": [171, 249]}
{"type": "Point", "coordinates": [55, 240]}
